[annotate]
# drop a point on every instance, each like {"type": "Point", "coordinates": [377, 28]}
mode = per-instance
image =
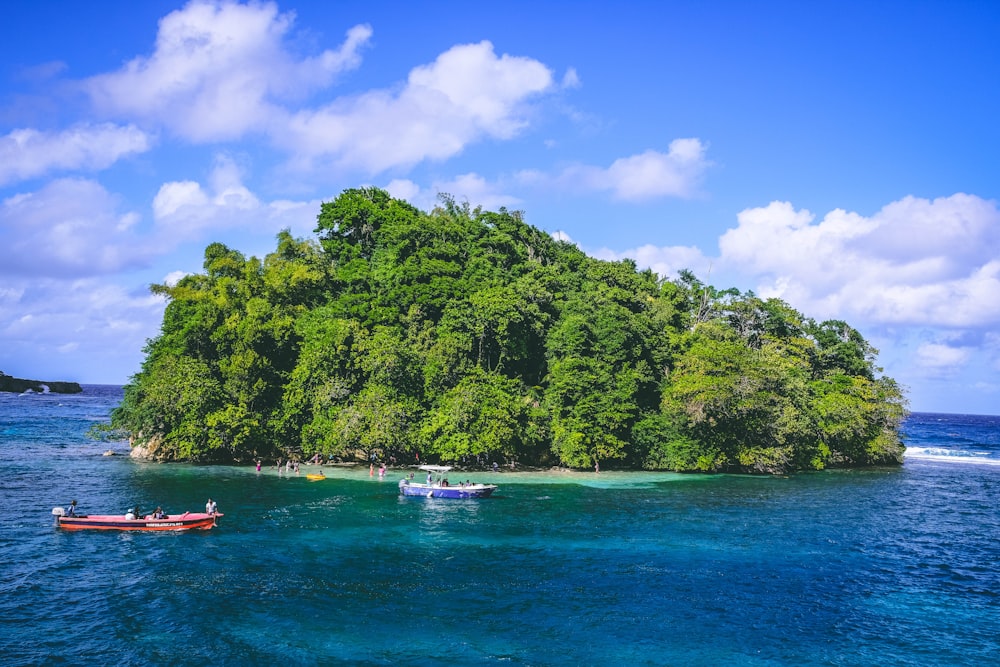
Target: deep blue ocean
{"type": "Point", "coordinates": [891, 566]}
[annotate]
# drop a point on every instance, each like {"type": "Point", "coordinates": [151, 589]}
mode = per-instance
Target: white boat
{"type": "Point", "coordinates": [437, 486]}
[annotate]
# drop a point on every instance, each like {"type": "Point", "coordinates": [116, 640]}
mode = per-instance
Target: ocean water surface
{"type": "Point", "coordinates": [890, 566]}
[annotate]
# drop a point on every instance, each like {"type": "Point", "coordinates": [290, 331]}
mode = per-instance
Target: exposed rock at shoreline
{"type": "Point", "coordinates": [147, 450]}
{"type": "Point", "coordinates": [19, 386]}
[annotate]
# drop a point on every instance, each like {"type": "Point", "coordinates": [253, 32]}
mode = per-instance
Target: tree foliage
{"type": "Point", "coordinates": [465, 335]}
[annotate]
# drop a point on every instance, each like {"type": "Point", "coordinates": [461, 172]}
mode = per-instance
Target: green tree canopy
{"type": "Point", "coordinates": [464, 335]}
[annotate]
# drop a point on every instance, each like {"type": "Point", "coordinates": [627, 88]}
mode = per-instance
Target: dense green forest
{"type": "Point", "coordinates": [465, 336]}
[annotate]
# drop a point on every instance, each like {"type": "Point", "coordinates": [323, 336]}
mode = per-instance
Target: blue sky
{"type": "Point", "coordinates": [840, 156]}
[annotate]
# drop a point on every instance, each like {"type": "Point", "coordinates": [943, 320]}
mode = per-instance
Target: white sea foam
{"type": "Point", "coordinates": [951, 455]}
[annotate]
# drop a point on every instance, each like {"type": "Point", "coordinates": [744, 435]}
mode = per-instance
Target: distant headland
{"type": "Point", "coordinates": [18, 385]}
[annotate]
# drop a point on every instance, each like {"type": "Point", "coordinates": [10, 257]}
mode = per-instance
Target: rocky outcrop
{"type": "Point", "coordinates": [18, 385]}
{"type": "Point", "coordinates": [148, 450]}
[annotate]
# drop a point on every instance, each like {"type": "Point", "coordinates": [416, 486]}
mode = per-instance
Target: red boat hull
{"type": "Point", "coordinates": [186, 521]}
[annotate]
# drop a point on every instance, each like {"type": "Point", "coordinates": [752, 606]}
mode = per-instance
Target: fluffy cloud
{"type": "Point", "coordinates": [939, 358]}
{"type": "Point", "coordinates": [88, 330]}
{"type": "Point", "coordinates": [665, 261]}
{"type": "Point", "coordinates": [69, 228]}
{"type": "Point", "coordinates": [27, 153]}
{"type": "Point", "coordinates": [220, 70]}
{"type": "Point", "coordinates": [403, 188]}
{"type": "Point", "coordinates": [915, 262]}
{"type": "Point", "coordinates": [187, 210]}
{"type": "Point", "coordinates": [466, 94]}
{"type": "Point", "coordinates": [649, 175]}
{"type": "Point", "coordinates": [471, 188]}
{"type": "Point", "coordinates": [73, 228]}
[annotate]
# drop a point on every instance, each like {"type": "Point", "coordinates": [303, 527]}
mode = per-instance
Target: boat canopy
{"type": "Point", "coordinates": [436, 468]}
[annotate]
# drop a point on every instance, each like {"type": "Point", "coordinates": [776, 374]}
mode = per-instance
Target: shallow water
{"type": "Point", "coordinates": [887, 566]}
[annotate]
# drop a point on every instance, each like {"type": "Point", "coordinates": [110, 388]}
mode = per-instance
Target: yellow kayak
{"type": "Point", "coordinates": [316, 477]}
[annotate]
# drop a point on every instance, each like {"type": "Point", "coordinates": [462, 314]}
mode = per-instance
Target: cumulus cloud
{"type": "Point", "coordinates": [188, 210]}
{"type": "Point", "coordinates": [471, 188]}
{"type": "Point", "coordinates": [403, 188]}
{"type": "Point", "coordinates": [649, 175]}
{"type": "Point", "coordinates": [73, 228]}
{"type": "Point", "coordinates": [220, 70]}
{"type": "Point", "coordinates": [71, 328]}
{"type": "Point", "coordinates": [942, 356]}
{"type": "Point", "coordinates": [477, 191]}
{"type": "Point", "coordinates": [665, 261]}
{"type": "Point", "coordinates": [915, 262]}
{"type": "Point", "coordinates": [27, 153]}
{"type": "Point", "coordinates": [69, 228]}
{"type": "Point", "coordinates": [174, 277]}
{"type": "Point", "coordinates": [468, 93]}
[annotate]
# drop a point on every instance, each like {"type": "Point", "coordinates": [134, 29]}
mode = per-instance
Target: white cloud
{"type": "Point", "coordinates": [571, 79]}
{"type": "Point", "coordinates": [176, 195]}
{"type": "Point", "coordinates": [187, 210]}
{"type": "Point", "coordinates": [402, 188]}
{"type": "Point", "coordinates": [942, 359]}
{"type": "Point", "coordinates": [71, 227]}
{"type": "Point", "coordinates": [220, 70]}
{"type": "Point", "coordinates": [477, 191]}
{"type": "Point", "coordinates": [915, 262]}
{"type": "Point", "coordinates": [468, 93]}
{"type": "Point", "coordinates": [27, 153]}
{"type": "Point", "coordinates": [665, 261]}
{"type": "Point", "coordinates": [87, 330]}
{"type": "Point", "coordinates": [648, 175]}
{"type": "Point", "coordinates": [654, 174]}
{"type": "Point", "coordinates": [174, 277]}
{"type": "Point", "coordinates": [468, 188]}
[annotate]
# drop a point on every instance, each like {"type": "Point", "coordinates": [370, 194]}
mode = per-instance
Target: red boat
{"type": "Point", "coordinates": [186, 521]}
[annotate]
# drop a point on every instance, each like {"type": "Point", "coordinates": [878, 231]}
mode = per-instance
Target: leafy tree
{"type": "Point", "coordinates": [463, 334]}
{"type": "Point", "coordinates": [484, 415]}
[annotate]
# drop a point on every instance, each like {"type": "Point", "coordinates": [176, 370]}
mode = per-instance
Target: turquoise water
{"type": "Point", "coordinates": [880, 567]}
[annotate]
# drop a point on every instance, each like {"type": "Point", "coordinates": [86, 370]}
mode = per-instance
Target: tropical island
{"type": "Point", "coordinates": [19, 385]}
{"type": "Point", "coordinates": [464, 336]}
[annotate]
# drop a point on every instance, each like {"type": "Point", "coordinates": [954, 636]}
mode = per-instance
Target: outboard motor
{"type": "Point", "coordinates": [58, 512]}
